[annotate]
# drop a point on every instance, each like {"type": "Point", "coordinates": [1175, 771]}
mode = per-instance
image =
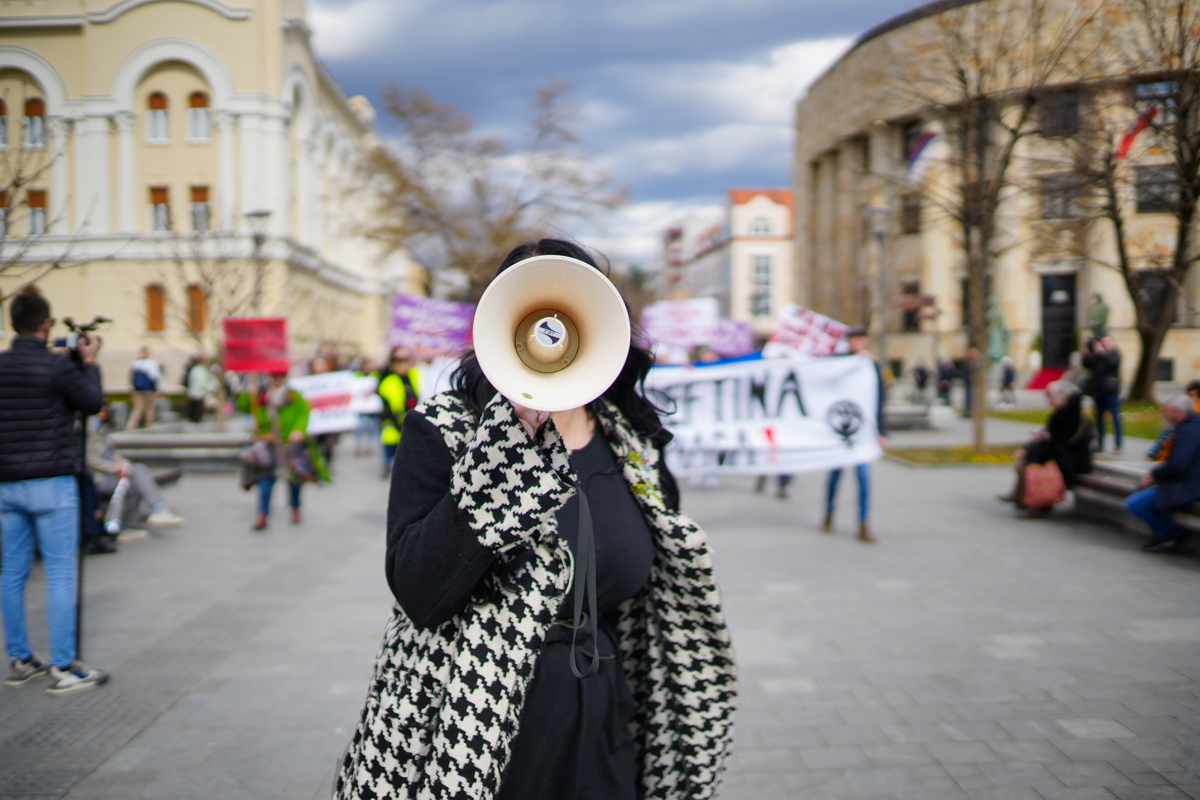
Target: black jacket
{"type": "Point", "coordinates": [40, 392]}
{"type": "Point", "coordinates": [1105, 377]}
{"type": "Point", "coordinates": [1178, 478]}
{"type": "Point", "coordinates": [1070, 442]}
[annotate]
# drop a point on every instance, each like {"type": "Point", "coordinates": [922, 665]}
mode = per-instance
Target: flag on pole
{"type": "Point", "coordinates": [1143, 121]}
{"type": "Point", "coordinates": [920, 156]}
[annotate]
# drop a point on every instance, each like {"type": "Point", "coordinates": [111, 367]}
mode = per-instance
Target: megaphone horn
{"type": "Point", "coordinates": [551, 333]}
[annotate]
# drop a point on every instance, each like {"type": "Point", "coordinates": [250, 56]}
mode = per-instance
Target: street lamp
{"type": "Point", "coordinates": [879, 216]}
{"type": "Point", "coordinates": [258, 226]}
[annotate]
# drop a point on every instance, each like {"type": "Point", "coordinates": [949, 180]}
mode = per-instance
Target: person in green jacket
{"type": "Point", "coordinates": [400, 391]}
{"type": "Point", "coordinates": [280, 417]}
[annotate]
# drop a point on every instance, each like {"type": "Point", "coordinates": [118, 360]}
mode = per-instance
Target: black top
{"type": "Point", "coordinates": [1070, 442]}
{"type": "Point", "coordinates": [1105, 377]}
{"type": "Point", "coordinates": [40, 391]}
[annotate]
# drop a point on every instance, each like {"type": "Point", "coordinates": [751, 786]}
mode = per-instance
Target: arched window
{"type": "Point", "coordinates": [199, 129]}
{"type": "Point", "coordinates": [201, 211]}
{"type": "Point", "coordinates": [760, 226]}
{"type": "Point", "coordinates": [197, 309]}
{"type": "Point", "coordinates": [36, 200]}
{"type": "Point", "coordinates": [160, 210]}
{"type": "Point", "coordinates": [3, 124]}
{"type": "Point", "coordinates": [35, 123]}
{"type": "Point", "coordinates": [158, 127]}
{"type": "Point", "coordinates": [156, 308]}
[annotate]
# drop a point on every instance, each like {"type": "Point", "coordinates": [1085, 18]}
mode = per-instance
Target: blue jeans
{"type": "Point", "coordinates": [266, 485]}
{"type": "Point", "coordinates": [864, 491]}
{"type": "Point", "coordinates": [389, 456]}
{"type": "Point", "coordinates": [1112, 406]}
{"type": "Point", "coordinates": [1141, 504]}
{"type": "Point", "coordinates": [47, 510]}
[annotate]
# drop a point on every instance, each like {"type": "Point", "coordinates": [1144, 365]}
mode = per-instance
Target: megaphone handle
{"type": "Point", "coordinates": [585, 578]}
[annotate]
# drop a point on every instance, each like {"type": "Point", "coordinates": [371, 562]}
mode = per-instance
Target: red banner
{"type": "Point", "coordinates": [256, 345]}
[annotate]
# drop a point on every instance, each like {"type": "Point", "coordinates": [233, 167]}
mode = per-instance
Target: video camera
{"type": "Point", "coordinates": [70, 342]}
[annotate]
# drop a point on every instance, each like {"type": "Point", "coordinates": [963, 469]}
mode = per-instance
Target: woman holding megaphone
{"type": "Point", "coordinates": [557, 632]}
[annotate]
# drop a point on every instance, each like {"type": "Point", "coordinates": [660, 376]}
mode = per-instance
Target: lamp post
{"type": "Point", "coordinates": [879, 215]}
{"type": "Point", "coordinates": [258, 226]}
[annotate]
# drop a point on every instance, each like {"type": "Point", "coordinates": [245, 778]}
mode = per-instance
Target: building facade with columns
{"type": "Point", "coordinates": [171, 162]}
{"type": "Point", "coordinates": [855, 131]}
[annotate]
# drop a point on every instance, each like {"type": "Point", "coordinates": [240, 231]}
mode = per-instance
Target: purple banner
{"type": "Point", "coordinates": [431, 327]}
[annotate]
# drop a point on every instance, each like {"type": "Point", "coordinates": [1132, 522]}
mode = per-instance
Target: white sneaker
{"type": "Point", "coordinates": [164, 519]}
{"type": "Point", "coordinates": [132, 535]}
{"type": "Point", "coordinates": [76, 678]}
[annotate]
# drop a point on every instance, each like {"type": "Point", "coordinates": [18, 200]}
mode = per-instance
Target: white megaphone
{"type": "Point", "coordinates": [551, 333]}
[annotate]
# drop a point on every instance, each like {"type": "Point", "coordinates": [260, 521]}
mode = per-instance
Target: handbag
{"type": "Point", "coordinates": [1043, 485]}
{"type": "Point", "coordinates": [298, 462]}
{"type": "Point", "coordinates": [257, 461]}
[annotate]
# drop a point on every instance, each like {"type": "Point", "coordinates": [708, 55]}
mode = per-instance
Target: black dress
{"type": "Point", "coordinates": [573, 741]}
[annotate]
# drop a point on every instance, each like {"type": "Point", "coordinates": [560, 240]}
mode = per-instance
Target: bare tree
{"type": "Point", "coordinates": [980, 78]}
{"type": "Point", "coordinates": [458, 200]}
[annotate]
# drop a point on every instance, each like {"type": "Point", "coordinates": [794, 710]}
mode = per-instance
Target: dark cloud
{"type": "Point", "coordinates": [661, 80]}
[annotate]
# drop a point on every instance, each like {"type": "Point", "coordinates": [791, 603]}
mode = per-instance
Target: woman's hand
{"type": "Point", "coordinates": [296, 437]}
{"type": "Point", "coordinates": [530, 419]}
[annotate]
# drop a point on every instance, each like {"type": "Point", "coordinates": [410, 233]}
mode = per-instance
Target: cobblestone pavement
{"type": "Point", "coordinates": [967, 655]}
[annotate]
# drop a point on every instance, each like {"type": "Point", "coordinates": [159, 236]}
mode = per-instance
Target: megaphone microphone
{"type": "Point", "coordinates": [551, 333]}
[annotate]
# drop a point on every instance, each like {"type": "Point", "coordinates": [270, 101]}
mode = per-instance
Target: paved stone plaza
{"type": "Point", "coordinates": [967, 655]}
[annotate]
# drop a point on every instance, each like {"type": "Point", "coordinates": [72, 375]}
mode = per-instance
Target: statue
{"type": "Point", "coordinates": [997, 332]}
{"type": "Point", "coordinates": [1097, 316]}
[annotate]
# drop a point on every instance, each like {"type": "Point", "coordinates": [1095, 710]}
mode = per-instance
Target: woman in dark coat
{"type": "Point", "coordinates": [1067, 441]}
{"type": "Point", "coordinates": [486, 686]}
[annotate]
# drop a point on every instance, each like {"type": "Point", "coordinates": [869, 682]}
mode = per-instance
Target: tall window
{"type": "Point", "coordinates": [1060, 197]}
{"type": "Point", "coordinates": [910, 213]}
{"type": "Point", "coordinates": [1157, 190]}
{"type": "Point", "coordinates": [156, 308]}
{"type": "Point", "coordinates": [197, 309]}
{"type": "Point", "coordinates": [35, 123]}
{"type": "Point", "coordinates": [760, 226]}
{"type": "Point", "coordinates": [3, 214]}
{"type": "Point", "coordinates": [760, 286]}
{"type": "Point", "coordinates": [1059, 113]}
{"type": "Point", "coordinates": [201, 214]}
{"type": "Point", "coordinates": [910, 132]}
{"type": "Point", "coordinates": [36, 200]}
{"type": "Point", "coordinates": [912, 312]}
{"type": "Point", "coordinates": [3, 124]}
{"type": "Point", "coordinates": [160, 210]}
{"type": "Point", "coordinates": [1157, 94]}
{"type": "Point", "coordinates": [158, 128]}
{"type": "Point", "coordinates": [199, 129]}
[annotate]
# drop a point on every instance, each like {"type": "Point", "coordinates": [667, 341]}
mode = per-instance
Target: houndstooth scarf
{"type": "Point", "coordinates": [444, 704]}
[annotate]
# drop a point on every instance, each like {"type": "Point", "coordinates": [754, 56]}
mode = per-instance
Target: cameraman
{"type": "Point", "coordinates": [40, 392]}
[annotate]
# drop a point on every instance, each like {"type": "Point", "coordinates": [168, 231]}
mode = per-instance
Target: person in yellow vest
{"type": "Point", "coordinates": [399, 388]}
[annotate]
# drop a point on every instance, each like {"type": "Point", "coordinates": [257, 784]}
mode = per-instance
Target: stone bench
{"type": "Point", "coordinates": [192, 452]}
{"type": "Point", "coordinates": [907, 416]}
{"type": "Point", "coordinates": [1101, 495]}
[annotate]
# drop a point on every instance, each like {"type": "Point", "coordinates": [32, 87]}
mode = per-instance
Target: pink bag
{"type": "Point", "coordinates": [1043, 485]}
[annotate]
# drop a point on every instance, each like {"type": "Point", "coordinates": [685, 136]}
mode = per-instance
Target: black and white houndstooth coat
{"type": "Point", "coordinates": [444, 703]}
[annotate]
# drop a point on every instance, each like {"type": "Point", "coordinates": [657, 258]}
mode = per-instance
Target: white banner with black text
{"type": "Point", "coordinates": [769, 417]}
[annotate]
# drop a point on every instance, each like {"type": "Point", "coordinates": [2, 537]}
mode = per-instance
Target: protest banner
{"type": "Point", "coordinates": [804, 332]}
{"type": "Point", "coordinates": [732, 338]}
{"type": "Point", "coordinates": [364, 399]}
{"type": "Point", "coordinates": [431, 327]}
{"type": "Point", "coordinates": [331, 400]}
{"type": "Point", "coordinates": [681, 323]}
{"type": "Point", "coordinates": [256, 345]}
{"type": "Point", "coordinates": [769, 417]}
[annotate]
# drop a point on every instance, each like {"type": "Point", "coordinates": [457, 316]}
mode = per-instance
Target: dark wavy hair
{"type": "Point", "coordinates": [627, 391]}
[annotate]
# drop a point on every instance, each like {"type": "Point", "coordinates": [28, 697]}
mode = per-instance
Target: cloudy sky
{"type": "Point", "coordinates": [682, 99]}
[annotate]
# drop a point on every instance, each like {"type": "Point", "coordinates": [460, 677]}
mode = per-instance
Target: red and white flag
{"type": "Point", "coordinates": [1143, 121]}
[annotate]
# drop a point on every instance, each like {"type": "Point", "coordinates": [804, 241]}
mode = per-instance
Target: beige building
{"type": "Point", "coordinates": [744, 262]}
{"type": "Point", "coordinates": [855, 130]}
{"type": "Point", "coordinates": [193, 160]}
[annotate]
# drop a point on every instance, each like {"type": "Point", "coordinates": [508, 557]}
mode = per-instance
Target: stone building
{"type": "Point", "coordinates": [745, 261]}
{"type": "Point", "coordinates": [192, 159]}
{"type": "Point", "coordinates": [855, 130]}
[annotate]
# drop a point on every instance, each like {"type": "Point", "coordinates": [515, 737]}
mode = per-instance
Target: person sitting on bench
{"type": "Point", "coordinates": [1173, 484]}
{"type": "Point", "coordinates": [108, 467]}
